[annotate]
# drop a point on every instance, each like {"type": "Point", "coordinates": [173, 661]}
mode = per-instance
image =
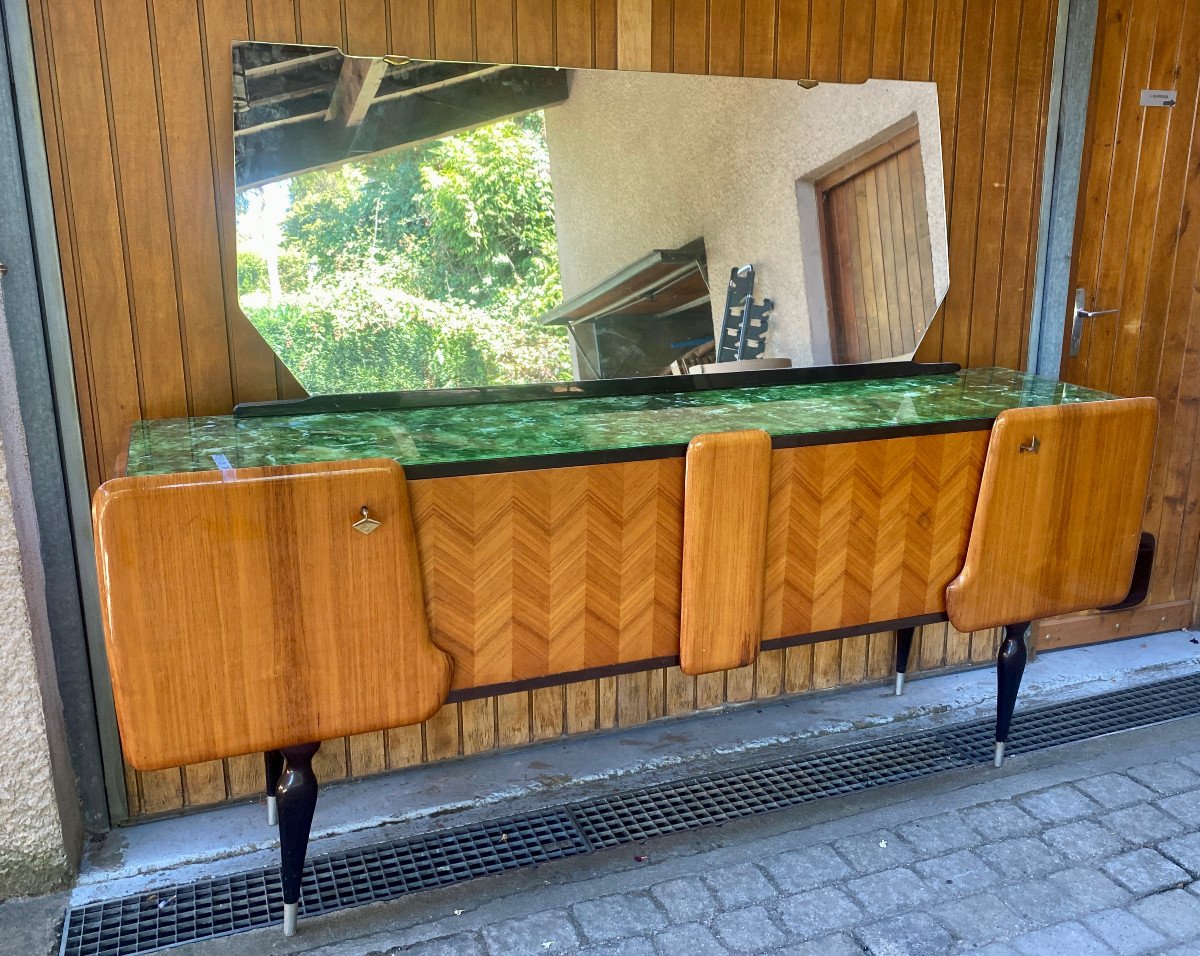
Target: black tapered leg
{"type": "Point", "coordinates": [273, 764]}
{"type": "Point", "coordinates": [904, 639]}
{"type": "Point", "coordinates": [297, 797]}
{"type": "Point", "coordinates": [1010, 665]}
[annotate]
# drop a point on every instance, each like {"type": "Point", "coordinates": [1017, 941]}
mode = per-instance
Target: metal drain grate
{"type": "Point", "coordinates": [220, 907]}
{"type": "Point", "coordinates": [234, 904]}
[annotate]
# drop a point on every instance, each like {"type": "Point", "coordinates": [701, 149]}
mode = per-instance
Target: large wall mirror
{"type": "Point", "coordinates": [409, 224]}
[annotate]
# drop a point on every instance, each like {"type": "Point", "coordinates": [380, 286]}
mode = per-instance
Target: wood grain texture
{"type": "Point", "coordinates": [187, 133]}
{"type": "Point", "coordinates": [876, 249]}
{"type": "Point", "coordinates": [1138, 251]}
{"type": "Point", "coordinates": [867, 531]}
{"type": "Point", "coordinates": [141, 156]}
{"type": "Point", "coordinates": [541, 572]}
{"type": "Point", "coordinates": [243, 612]}
{"type": "Point", "coordinates": [1073, 630]}
{"type": "Point", "coordinates": [1056, 529]}
{"type": "Point", "coordinates": [726, 483]}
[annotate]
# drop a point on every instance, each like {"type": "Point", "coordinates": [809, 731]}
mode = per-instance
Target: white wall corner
{"type": "Point", "coordinates": [41, 825]}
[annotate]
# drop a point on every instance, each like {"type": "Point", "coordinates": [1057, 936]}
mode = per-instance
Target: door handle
{"type": "Point", "coordinates": [1081, 313]}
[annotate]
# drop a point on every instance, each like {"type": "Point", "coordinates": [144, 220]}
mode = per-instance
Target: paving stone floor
{"type": "Point", "coordinates": [1089, 848]}
{"type": "Point", "coordinates": [1104, 864]}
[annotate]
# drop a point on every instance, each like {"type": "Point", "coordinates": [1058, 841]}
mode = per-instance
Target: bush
{"type": "Point", "coordinates": [421, 268]}
{"type": "Point", "coordinates": [251, 273]}
{"type": "Point", "coordinates": [361, 333]}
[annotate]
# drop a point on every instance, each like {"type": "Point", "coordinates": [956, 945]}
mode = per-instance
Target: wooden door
{"type": "Point", "coordinates": [875, 246]}
{"type": "Point", "coordinates": [1138, 251]}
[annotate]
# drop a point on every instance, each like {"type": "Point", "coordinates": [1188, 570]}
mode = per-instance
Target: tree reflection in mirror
{"type": "Point", "coordinates": [406, 224]}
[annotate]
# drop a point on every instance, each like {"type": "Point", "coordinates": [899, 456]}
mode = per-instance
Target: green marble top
{"type": "Point", "coordinates": [476, 433]}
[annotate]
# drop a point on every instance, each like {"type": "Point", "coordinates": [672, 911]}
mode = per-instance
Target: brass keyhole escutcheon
{"type": "Point", "coordinates": [366, 524]}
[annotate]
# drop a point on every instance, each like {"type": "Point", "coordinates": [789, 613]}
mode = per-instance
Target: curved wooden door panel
{"type": "Point", "coordinates": [727, 481]}
{"type": "Point", "coordinates": [243, 611]}
{"type": "Point", "coordinates": [1060, 513]}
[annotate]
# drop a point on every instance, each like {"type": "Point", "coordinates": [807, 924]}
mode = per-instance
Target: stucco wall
{"type": "Point", "coordinates": [648, 161]}
{"type": "Point", "coordinates": [37, 852]}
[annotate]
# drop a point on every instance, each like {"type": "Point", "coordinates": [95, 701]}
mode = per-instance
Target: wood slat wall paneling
{"type": "Point", "coordinates": [990, 59]}
{"type": "Point", "coordinates": [1138, 251]}
{"type": "Point", "coordinates": [141, 160]}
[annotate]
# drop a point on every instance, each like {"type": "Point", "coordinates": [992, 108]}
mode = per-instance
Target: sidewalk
{"type": "Point", "coordinates": [1090, 848]}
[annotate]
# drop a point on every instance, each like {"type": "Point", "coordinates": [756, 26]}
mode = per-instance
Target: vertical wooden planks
{"type": "Point", "coordinates": [997, 147]}
{"type": "Point", "coordinates": [273, 21]}
{"type": "Point", "coordinates": [142, 205]}
{"type": "Point", "coordinates": [204, 783]}
{"type": "Point", "coordinates": [535, 31]}
{"type": "Point", "coordinates": [321, 23]}
{"type": "Point", "coordinates": [367, 27]}
{"type": "Point", "coordinates": [826, 40]}
{"type": "Point", "coordinates": [888, 35]}
{"type": "Point", "coordinates": [214, 357]}
{"type": "Point", "coordinates": [689, 50]}
{"type": "Point", "coordinates": [968, 188]}
{"type": "Point", "coordinates": [581, 707]}
{"type": "Point", "coordinates": [548, 712]}
{"type": "Point", "coordinates": [495, 36]}
{"type": "Point", "coordinates": [412, 28]}
{"type": "Point", "coordinates": [193, 207]}
{"type": "Point", "coordinates": [724, 23]}
{"type": "Point", "coordinates": [604, 29]}
{"type": "Point", "coordinates": [88, 221]}
{"type": "Point", "coordinates": [635, 34]}
{"type": "Point", "coordinates": [574, 33]}
{"type": "Point", "coordinates": [793, 39]}
{"type": "Point", "coordinates": [1139, 251]}
{"type": "Point", "coordinates": [454, 30]}
{"type": "Point", "coordinates": [1015, 283]}
{"type": "Point", "coordinates": [366, 754]}
{"type": "Point", "coordinates": [759, 38]}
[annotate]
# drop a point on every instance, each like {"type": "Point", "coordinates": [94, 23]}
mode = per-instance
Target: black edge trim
{"type": "Point", "coordinates": [600, 388]}
{"type": "Point", "coordinates": [1143, 568]}
{"type": "Point", "coordinates": [653, 663]}
{"type": "Point", "coordinates": [491, 466]}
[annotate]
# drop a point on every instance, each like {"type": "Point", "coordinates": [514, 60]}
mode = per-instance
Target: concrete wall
{"type": "Point", "coordinates": [40, 823]}
{"type": "Point", "coordinates": [645, 161]}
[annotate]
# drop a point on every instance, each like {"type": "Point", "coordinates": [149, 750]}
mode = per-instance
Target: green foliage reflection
{"type": "Point", "coordinates": [421, 268]}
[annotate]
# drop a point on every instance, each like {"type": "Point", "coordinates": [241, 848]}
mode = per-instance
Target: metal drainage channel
{"type": "Point", "coordinates": [233, 904]}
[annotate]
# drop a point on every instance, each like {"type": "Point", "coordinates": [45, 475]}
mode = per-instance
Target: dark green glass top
{"type": "Point", "coordinates": [467, 434]}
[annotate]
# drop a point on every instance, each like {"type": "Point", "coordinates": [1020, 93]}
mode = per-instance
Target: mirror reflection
{"type": "Point", "coordinates": [407, 224]}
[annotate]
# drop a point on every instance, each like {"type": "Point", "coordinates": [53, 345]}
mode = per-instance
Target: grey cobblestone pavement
{"type": "Point", "coordinates": [1091, 848]}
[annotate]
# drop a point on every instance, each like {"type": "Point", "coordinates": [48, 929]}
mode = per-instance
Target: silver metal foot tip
{"type": "Point", "coordinates": [290, 912]}
{"type": "Point", "coordinates": [899, 684]}
{"type": "Point", "coordinates": [272, 812]}
{"type": "Point", "coordinates": [999, 760]}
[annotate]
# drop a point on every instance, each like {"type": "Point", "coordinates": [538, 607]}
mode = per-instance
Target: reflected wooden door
{"type": "Point", "coordinates": [876, 251]}
{"type": "Point", "coordinates": [1138, 252]}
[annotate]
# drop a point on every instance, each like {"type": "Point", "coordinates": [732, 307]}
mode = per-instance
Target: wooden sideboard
{"type": "Point", "coordinates": [272, 580]}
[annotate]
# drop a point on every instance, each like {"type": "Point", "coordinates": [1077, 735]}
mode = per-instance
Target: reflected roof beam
{"type": "Point", "coordinates": [355, 91]}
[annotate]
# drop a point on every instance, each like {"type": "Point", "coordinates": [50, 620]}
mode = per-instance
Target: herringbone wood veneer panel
{"type": "Point", "coordinates": [548, 572]}
{"type": "Point", "coordinates": [868, 531]}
